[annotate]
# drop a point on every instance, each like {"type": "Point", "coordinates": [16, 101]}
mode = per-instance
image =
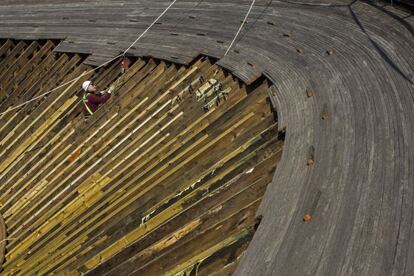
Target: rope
{"type": "Point", "coordinates": [241, 26]}
{"type": "Point", "coordinates": [94, 69]}
{"type": "Point", "coordinates": [172, 3]}
{"type": "Point", "coordinates": [60, 86]}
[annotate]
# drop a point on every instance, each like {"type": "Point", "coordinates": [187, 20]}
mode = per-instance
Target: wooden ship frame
{"type": "Point", "coordinates": [290, 153]}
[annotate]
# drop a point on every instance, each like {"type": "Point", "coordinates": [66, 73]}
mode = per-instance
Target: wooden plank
{"type": "Point", "coordinates": [158, 130]}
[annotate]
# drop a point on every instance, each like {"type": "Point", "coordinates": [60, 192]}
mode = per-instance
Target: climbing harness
{"type": "Point", "coordinates": [85, 100]}
{"type": "Point", "coordinates": [124, 67]}
{"type": "Point", "coordinates": [93, 69]}
{"type": "Point", "coordinates": [123, 55]}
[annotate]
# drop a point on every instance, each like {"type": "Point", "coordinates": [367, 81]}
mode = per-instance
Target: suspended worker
{"type": "Point", "coordinates": [92, 99]}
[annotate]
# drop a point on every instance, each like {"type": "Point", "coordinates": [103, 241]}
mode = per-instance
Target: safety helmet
{"type": "Point", "coordinates": [86, 84]}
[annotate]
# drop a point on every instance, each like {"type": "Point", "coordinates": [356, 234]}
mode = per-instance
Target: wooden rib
{"type": "Point", "coordinates": [147, 159]}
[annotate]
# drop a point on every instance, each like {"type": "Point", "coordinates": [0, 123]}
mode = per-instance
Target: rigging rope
{"type": "Point", "coordinates": [241, 26]}
{"type": "Point", "coordinates": [94, 69]}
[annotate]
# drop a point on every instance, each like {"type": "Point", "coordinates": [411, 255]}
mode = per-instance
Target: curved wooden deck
{"type": "Point", "coordinates": [343, 74]}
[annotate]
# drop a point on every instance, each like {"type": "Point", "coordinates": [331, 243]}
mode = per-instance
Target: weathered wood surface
{"type": "Point", "coordinates": [178, 153]}
{"type": "Point", "coordinates": [357, 125]}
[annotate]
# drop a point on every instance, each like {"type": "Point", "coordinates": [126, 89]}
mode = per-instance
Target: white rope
{"type": "Point", "coordinates": [172, 3]}
{"type": "Point", "coordinates": [60, 86]}
{"type": "Point", "coordinates": [94, 69]}
{"type": "Point", "coordinates": [241, 26]}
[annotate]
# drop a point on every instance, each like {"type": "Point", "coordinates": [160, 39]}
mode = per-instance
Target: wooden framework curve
{"type": "Point", "coordinates": [174, 165]}
{"type": "Point", "coordinates": [342, 74]}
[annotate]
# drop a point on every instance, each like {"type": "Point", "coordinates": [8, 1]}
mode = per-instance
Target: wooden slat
{"type": "Point", "coordinates": [148, 158]}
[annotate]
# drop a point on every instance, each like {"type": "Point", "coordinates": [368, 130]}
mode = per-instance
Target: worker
{"type": "Point", "coordinates": [93, 99]}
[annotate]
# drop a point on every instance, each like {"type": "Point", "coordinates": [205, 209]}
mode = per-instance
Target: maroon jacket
{"type": "Point", "coordinates": [94, 101]}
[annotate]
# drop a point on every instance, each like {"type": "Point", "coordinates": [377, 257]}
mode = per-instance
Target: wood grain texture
{"type": "Point", "coordinates": [3, 237]}
{"type": "Point", "coordinates": [358, 59]}
{"type": "Point", "coordinates": [190, 147]}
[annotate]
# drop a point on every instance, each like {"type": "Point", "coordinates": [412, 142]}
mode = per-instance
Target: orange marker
{"type": "Point", "coordinates": [307, 217]}
{"type": "Point", "coordinates": [74, 155]}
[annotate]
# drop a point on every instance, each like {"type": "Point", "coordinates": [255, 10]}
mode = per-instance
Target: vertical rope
{"type": "Point", "coordinates": [94, 69]}
{"type": "Point", "coordinates": [152, 24]}
{"type": "Point", "coordinates": [241, 26]}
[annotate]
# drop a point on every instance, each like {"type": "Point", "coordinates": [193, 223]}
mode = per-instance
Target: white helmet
{"type": "Point", "coordinates": [86, 84]}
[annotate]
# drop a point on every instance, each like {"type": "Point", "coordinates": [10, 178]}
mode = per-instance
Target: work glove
{"type": "Point", "coordinates": [111, 88]}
